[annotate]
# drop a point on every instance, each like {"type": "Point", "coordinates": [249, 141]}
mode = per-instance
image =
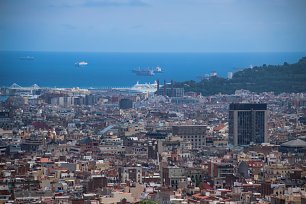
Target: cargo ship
{"type": "Point", "coordinates": [143, 72]}
{"type": "Point", "coordinates": [158, 70]}
{"type": "Point", "coordinates": [148, 71]}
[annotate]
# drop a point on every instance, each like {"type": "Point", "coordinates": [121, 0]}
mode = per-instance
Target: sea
{"type": "Point", "coordinates": [57, 69]}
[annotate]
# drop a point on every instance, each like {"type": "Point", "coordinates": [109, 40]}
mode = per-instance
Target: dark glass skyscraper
{"type": "Point", "coordinates": [247, 124]}
{"type": "Point", "coordinates": [125, 103]}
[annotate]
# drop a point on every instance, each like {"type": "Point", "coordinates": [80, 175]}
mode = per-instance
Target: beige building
{"type": "Point", "coordinates": [133, 173]}
{"type": "Point", "coordinates": [196, 134]}
{"type": "Point", "coordinates": [277, 170]}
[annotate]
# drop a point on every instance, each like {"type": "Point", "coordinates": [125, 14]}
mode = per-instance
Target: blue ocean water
{"type": "Point", "coordinates": [114, 69]}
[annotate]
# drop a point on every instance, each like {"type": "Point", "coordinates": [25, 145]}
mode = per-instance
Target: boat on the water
{"type": "Point", "coordinates": [148, 71]}
{"type": "Point", "coordinates": [158, 70]}
{"type": "Point", "coordinates": [81, 64]}
{"type": "Point", "coordinates": [26, 58]}
{"type": "Point", "coordinates": [143, 72]}
{"type": "Point", "coordinates": [140, 88]}
{"type": "Point", "coordinates": [145, 88]}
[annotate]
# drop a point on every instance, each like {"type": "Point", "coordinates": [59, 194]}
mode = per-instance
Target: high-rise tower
{"type": "Point", "coordinates": [247, 124]}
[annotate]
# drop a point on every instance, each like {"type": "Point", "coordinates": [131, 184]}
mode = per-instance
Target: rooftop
{"type": "Point", "coordinates": [294, 143]}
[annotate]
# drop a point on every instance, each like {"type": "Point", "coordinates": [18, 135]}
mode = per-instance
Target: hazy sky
{"type": "Point", "coordinates": [153, 25]}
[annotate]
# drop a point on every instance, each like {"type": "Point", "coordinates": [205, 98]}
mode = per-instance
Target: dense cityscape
{"type": "Point", "coordinates": [152, 102]}
{"type": "Point", "coordinates": [72, 145]}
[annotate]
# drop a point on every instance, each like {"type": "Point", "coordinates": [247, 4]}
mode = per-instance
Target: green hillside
{"type": "Point", "coordinates": [276, 78]}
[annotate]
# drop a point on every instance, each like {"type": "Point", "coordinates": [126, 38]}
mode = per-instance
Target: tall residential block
{"type": "Point", "coordinates": [247, 124]}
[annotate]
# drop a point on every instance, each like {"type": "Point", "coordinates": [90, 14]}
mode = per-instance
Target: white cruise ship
{"type": "Point", "coordinates": [145, 88]}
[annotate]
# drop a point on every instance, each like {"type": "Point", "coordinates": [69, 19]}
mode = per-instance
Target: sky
{"type": "Point", "coordinates": [153, 25]}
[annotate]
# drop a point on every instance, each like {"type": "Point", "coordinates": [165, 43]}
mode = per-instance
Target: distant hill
{"type": "Point", "coordinates": [266, 78]}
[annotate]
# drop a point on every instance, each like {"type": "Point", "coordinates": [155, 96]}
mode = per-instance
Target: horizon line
{"type": "Point", "coordinates": [154, 51]}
